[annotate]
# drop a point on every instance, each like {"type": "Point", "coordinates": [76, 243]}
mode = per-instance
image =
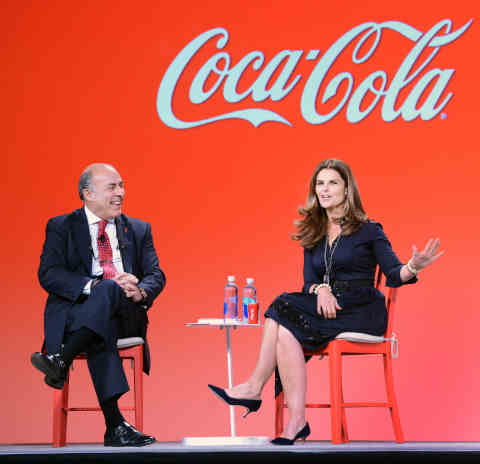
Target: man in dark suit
{"type": "Point", "coordinates": [101, 272]}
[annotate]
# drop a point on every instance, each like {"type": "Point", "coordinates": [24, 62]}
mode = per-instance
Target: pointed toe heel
{"type": "Point", "coordinates": [302, 435]}
{"type": "Point", "coordinates": [248, 411]}
{"type": "Point", "coordinates": [249, 405]}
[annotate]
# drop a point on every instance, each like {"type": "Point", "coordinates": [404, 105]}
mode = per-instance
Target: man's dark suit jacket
{"type": "Point", "coordinates": [66, 266]}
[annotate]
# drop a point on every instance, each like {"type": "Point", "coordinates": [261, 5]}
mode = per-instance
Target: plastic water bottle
{"type": "Point", "coordinates": [230, 301]}
{"type": "Point", "coordinates": [249, 296]}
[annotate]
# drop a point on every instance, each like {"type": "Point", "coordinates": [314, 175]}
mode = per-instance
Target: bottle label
{"type": "Point", "coordinates": [230, 307]}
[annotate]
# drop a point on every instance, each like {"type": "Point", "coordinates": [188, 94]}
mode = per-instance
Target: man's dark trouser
{"type": "Point", "coordinates": [110, 315]}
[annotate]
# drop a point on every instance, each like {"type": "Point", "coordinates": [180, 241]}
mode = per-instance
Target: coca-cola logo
{"type": "Point", "coordinates": [427, 95]}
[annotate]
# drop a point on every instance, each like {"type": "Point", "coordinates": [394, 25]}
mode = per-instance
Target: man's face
{"type": "Point", "coordinates": [105, 195]}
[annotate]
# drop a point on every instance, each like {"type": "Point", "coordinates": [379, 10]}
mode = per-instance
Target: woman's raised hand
{"type": "Point", "coordinates": [422, 259]}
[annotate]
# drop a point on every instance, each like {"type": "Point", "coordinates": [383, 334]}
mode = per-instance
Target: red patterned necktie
{"type": "Point", "coordinates": [105, 255]}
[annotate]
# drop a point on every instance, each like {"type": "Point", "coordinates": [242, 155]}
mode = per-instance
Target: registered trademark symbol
{"type": "Point", "coordinates": [443, 115]}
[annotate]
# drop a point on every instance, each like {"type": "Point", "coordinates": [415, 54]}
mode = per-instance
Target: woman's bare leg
{"type": "Point", "coordinates": [267, 360]}
{"type": "Point", "coordinates": [292, 370]}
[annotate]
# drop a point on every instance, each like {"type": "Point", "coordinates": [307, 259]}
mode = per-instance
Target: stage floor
{"type": "Point", "coordinates": [310, 451]}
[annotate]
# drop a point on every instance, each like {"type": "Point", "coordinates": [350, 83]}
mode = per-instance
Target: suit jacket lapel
{"type": "Point", "coordinates": [125, 242]}
{"type": "Point", "coordinates": [81, 236]}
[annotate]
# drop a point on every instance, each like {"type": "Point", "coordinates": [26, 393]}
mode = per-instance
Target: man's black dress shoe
{"type": "Point", "coordinates": [53, 366]}
{"type": "Point", "coordinates": [126, 435]}
{"type": "Point", "coordinates": [51, 383]}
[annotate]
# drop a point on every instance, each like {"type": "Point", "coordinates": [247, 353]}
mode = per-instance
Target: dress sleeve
{"type": "Point", "coordinates": [310, 275]}
{"type": "Point", "coordinates": [386, 258]}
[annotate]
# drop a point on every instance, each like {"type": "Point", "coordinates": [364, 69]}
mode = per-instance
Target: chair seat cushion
{"type": "Point", "coordinates": [359, 337]}
{"type": "Point", "coordinates": [129, 342]}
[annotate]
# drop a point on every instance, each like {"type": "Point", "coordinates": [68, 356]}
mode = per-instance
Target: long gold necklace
{"type": "Point", "coordinates": [329, 260]}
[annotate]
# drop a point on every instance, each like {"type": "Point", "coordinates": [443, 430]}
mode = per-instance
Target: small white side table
{"type": "Point", "coordinates": [233, 439]}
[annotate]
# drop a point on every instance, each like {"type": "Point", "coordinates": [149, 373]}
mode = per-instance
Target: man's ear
{"type": "Point", "coordinates": [88, 194]}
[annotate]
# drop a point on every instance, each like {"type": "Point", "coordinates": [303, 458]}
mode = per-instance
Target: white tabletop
{"type": "Point", "coordinates": [220, 322]}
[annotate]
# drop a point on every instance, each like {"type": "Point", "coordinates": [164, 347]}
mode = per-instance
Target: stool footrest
{"type": "Point", "coordinates": [349, 405]}
{"type": "Point", "coordinates": [367, 405]}
{"type": "Point", "coordinates": [122, 408]}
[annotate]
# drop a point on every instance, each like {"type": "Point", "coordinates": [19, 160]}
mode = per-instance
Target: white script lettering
{"type": "Point", "coordinates": [220, 69]}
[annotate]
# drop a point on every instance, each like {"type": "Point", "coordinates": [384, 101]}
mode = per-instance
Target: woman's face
{"type": "Point", "coordinates": [330, 189]}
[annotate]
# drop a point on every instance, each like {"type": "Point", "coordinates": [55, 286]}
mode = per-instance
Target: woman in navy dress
{"type": "Point", "coordinates": [342, 248]}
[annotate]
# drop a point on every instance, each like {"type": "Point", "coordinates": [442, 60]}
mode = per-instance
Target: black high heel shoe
{"type": "Point", "coordinates": [250, 405]}
{"type": "Point", "coordinates": [302, 435]}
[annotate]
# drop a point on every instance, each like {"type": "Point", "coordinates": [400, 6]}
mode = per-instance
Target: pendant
{"type": "Point", "coordinates": [326, 279]}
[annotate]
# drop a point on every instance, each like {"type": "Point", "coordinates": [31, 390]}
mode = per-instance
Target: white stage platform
{"type": "Point", "coordinates": [310, 451]}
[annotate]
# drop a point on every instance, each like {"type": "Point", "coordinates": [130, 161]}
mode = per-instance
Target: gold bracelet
{"type": "Point", "coordinates": [412, 269]}
{"type": "Point", "coordinates": [320, 286]}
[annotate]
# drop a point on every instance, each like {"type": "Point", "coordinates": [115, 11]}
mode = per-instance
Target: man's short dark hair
{"type": "Point", "coordinates": [84, 182]}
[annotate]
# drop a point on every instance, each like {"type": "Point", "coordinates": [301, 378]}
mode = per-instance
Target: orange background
{"type": "Point", "coordinates": [79, 84]}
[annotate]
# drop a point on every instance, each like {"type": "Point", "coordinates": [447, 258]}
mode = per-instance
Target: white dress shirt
{"type": "Point", "coordinates": [111, 231]}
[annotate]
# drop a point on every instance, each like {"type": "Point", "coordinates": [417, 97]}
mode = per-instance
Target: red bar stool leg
{"type": "Point", "coordinates": [344, 420]}
{"type": "Point", "coordinates": [279, 401]}
{"type": "Point", "coordinates": [335, 359]}
{"type": "Point", "coordinates": [60, 406]}
{"type": "Point", "coordinates": [397, 427]}
{"type": "Point", "coordinates": [138, 387]}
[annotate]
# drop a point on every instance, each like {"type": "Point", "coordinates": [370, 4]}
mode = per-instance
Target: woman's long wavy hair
{"type": "Point", "coordinates": [313, 225]}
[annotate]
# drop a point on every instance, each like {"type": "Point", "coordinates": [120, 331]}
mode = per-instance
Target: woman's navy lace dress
{"type": "Point", "coordinates": [363, 306]}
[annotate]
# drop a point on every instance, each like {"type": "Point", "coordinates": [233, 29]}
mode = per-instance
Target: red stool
{"type": "Point", "coordinates": [354, 344]}
{"type": "Point", "coordinates": [128, 348]}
